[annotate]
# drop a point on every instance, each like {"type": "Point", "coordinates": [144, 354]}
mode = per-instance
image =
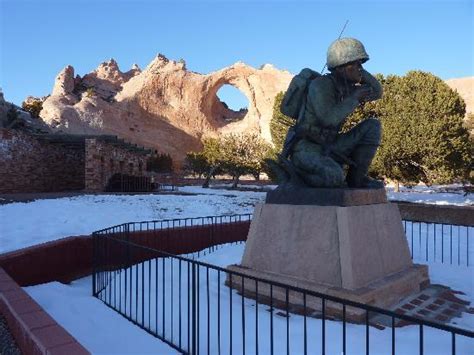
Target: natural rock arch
{"type": "Point", "coordinates": [227, 113]}
{"type": "Point", "coordinates": [165, 106]}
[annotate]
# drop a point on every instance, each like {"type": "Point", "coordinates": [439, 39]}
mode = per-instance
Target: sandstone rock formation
{"type": "Point", "coordinates": [12, 116]}
{"type": "Point", "coordinates": [465, 88]}
{"type": "Point", "coordinates": [165, 106]}
{"type": "Point", "coordinates": [168, 107]}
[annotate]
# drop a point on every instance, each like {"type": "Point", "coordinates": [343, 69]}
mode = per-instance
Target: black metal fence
{"type": "Point", "coordinates": [188, 304]}
{"type": "Point", "coordinates": [129, 183]}
{"type": "Point", "coordinates": [438, 242]}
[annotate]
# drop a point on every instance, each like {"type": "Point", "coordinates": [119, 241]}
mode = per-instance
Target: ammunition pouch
{"type": "Point", "coordinates": [325, 137]}
{"type": "Point", "coordinates": [318, 135]}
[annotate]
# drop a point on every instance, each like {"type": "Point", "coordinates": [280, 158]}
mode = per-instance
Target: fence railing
{"type": "Point", "coordinates": [188, 304]}
{"type": "Point", "coordinates": [438, 242]}
{"type": "Point", "coordinates": [129, 183]}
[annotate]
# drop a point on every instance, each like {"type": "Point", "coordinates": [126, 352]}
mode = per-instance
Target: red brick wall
{"type": "Point", "coordinates": [32, 164]}
{"type": "Point", "coordinates": [104, 160]}
{"type": "Point", "coordinates": [70, 258]}
{"type": "Point", "coordinates": [28, 164]}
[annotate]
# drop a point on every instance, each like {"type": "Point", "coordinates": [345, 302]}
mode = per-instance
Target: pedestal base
{"type": "Point", "coordinates": [384, 293]}
{"type": "Point", "coordinates": [356, 252]}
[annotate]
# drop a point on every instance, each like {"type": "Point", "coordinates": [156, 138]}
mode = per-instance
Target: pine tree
{"type": "Point", "coordinates": [423, 134]}
{"type": "Point", "coordinates": [33, 105]}
{"type": "Point", "coordinates": [196, 164]}
{"type": "Point", "coordinates": [279, 124]}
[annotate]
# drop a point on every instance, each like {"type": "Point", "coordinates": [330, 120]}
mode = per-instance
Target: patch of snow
{"type": "Point", "coordinates": [44, 220]}
{"type": "Point", "coordinates": [98, 328]}
{"type": "Point", "coordinates": [436, 194]}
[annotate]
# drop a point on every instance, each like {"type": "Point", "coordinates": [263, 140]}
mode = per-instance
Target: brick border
{"type": "Point", "coordinates": [70, 258]}
{"type": "Point", "coordinates": [60, 260]}
{"type": "Point", "coordinates": [34, 330]}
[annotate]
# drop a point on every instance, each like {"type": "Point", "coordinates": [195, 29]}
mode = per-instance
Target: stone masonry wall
{"type": "Point", "coordinates": [105, 159]}
{"type": "Point", "coordinates": [28, 164]}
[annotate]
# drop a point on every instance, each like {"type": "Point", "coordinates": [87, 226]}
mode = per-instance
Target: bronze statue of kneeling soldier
{"type": "Point", "coordinates": [315, 151]}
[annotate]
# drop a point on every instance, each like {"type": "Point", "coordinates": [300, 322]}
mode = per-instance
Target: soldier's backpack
{"type": "Point", "coordinates": [293, 105]}
{"type": "Point", "coordinates": [294, 99]}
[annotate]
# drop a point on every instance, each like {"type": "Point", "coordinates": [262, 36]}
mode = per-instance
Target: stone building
{"type": "Point", "coordinates": [57, 162]}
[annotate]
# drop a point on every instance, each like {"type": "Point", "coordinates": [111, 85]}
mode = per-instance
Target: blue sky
{"type": "Point", "coordinates": [39, 38]}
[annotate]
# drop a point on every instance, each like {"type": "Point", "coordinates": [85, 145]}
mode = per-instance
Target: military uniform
{"type": "Point", "coordinates": [320, 154]}
{"type": "Point", "coordinates": [328, 104]}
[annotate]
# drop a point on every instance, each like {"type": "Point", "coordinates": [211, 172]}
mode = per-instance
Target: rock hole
{"type": "Point", "coordinates": [234, 102]}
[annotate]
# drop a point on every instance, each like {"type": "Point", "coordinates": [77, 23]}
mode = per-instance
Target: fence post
{"type": "Point", "coordinates": [193, 310]}
{"type": "Point", "coordinates": [127, 235]}
{"type": "Point", "coordinates": [94, 264]}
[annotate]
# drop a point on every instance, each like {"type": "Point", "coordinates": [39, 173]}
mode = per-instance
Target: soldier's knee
{"type": "Point", "coordinates": [374, 128]}
{"type": "Point", "coordinates": [374, 124]}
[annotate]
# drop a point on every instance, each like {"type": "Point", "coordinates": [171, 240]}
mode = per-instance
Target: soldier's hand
{"type": "Point", "coordinates": [362, 92]}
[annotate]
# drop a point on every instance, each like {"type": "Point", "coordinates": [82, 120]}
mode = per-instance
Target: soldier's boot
{"type": "Point", "coordinates": [281, 175]}
{"type": "Point", "coordinates": [290, 169]}
{"type": "Point", "coordinates": [357, 176]}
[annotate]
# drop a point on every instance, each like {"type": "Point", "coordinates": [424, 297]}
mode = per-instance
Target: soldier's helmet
{"type": "Point", "coordinates": [344, 51]}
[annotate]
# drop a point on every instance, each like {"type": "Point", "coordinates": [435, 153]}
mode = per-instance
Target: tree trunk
{"type": "Point", "coordinates": [207, 180]}
{"type": "Point", "coordinates": [205, 185]}
{"type": "Point", "coordinates": [397, 186]}
{"type": "Point", "coordinates": [235, 182]}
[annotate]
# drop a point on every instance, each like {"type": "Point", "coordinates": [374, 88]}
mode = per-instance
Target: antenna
{"type": "Point", "coordinates": [340, 34]}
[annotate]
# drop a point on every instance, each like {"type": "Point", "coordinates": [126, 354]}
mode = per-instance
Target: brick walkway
{"type": "Point", "coordinates": [436, 303]}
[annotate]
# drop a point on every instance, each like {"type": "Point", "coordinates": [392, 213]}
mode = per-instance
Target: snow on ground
{"type": "Point", "coordinates": [26, 224]}
{"type": "Point", "coordinates": [437, 195]}
{"type": "Point", "coordinates": [98, 328]}
{"type": "Point", "coordinates": [44, 220]}
{"type": "Point", "coordinates": [101, 330]}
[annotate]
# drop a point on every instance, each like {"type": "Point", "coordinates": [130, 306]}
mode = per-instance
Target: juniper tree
{"type": "Point", "coordinates": [279, 124]}
{"type": "Point", "coordinates": [196, 164]}
{"type": "Point", "coordinates": [423, 134]}
{"type": "Point", "coordinates": [33, 105]}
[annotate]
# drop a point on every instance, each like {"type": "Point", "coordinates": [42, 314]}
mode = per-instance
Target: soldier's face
{"type": "Point", "coordinates": [353, 72]}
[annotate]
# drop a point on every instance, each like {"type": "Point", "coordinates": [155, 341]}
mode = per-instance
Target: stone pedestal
{"type": "Point", "coordinates": [357, 252]}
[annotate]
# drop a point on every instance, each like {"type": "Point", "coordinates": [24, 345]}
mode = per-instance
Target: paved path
{"type": "Point", "coordinates": [7, 343]}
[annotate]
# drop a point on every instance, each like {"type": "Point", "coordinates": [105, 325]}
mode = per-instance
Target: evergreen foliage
{"type": "Point", "coordinates": [12, 119]}
{"type": "Point", "coordinates": [34, 107]}
{"type": "Point", "coordinates": [160, 163]}
{"type": "Point", "coordinates": [195, 163]}
{"type": "Point", "coordinates": [279, 123]}
{"type": "Point", "coordinates": [423, 134]}
{"type": "Point", "coordinates": [207, 162]}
